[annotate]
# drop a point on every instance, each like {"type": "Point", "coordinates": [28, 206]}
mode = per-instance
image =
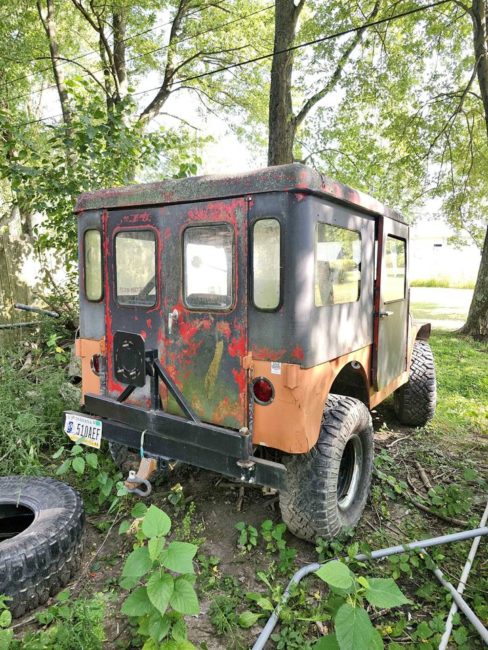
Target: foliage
{"type": "Point", "coordinates": [248, 536]}
{"type": "Point", "coordinates": [443, 281]}
{"type": "Point", "coordinates": [32, 400]}
{"type": "Point", "coordinates": [159, 599]}
{"type": "Point", "coordinates": [352, 625]}
{"type": "Point", "coordinates": [94, 474]}
{"type": "Point", "coordinates": [65, 625]}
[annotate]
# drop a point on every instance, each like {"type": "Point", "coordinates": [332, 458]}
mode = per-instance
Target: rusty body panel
{"type": "Point", "coordinates": [85, 349]}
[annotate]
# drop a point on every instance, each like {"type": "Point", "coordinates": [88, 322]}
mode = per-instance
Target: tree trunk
{"type": "Point", "coordinates": [282, 122]}
{"type": "Point", "coordinates": [119, 27]}
{"type": "Point", "coordinates": [477, 323]}
{"type": "Point", "coordinates": [48, 21]}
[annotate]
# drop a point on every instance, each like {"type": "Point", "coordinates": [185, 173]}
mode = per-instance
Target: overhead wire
{"type": "Point", "coordinates": [344, 32]}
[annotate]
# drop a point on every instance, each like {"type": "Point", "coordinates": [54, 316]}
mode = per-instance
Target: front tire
{"type": "Point", "coordinates": [415, 401]}
{"type": "Point", "coordinates": [328, 487]}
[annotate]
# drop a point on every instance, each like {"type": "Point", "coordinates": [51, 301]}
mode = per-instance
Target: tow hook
{"type": "Point", "coordinates": [146, 469]}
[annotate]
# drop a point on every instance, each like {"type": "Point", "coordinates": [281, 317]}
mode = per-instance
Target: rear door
{"type": "Point", "coordinates": [392, 306]}
{"type": "Point", "coordinates": [189, 301]}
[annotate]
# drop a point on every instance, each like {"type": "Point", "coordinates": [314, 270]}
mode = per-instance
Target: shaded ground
{"type": "Point", "coordinates": [444, 308]}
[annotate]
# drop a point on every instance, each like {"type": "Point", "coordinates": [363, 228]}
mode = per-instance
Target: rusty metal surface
{"type": "Point", "coordinates": [202, 353]}
{"type": "Point", "coordinates": [284, 178]}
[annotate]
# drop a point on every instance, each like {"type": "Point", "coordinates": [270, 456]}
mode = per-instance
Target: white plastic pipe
{"type": "Point", "coordinates": [462, 582]}
{"type": "Point", "coordinates": [375, 555]}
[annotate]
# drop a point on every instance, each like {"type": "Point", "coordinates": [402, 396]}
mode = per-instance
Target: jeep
{"type": "Point", "coordinates": [247, 325]}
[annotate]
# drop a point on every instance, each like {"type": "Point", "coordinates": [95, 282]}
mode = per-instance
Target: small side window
{"type": "Point", "coordinates": [209, 267]}
{"type": "Point", "coordinates": [337, 265]}
{"type": "Point", "coordinates": [93, 265]}
{"type": "Point", "coordinates": [266, 263]}
{"type": "Point", "coordinates": [395, 265]}
{"type": "Point", "coordinates": [135, 259]}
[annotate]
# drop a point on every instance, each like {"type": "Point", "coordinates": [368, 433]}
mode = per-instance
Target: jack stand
{"type": "Point", "coordinates": [143, 475]}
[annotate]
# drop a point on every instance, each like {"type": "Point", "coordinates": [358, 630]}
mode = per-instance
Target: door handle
{"type": "Point", "coordinates": [385, 314]}
{"type": "Point", "coordinates": [172, 318]}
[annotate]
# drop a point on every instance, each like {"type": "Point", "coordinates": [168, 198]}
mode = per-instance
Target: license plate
{"type": "Point", "coordinates": [82, 430]}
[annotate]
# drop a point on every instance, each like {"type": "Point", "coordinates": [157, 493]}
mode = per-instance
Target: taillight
{"type": "Point", "coordinates": [96, 363]}
{"type": "Point", "coordinates": [263, 391]}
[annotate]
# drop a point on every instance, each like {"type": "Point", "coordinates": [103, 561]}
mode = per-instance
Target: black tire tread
{"type": "Point", "coordinates": [41, 560]}
{"type": "Point", "coordinates": [309, 506]}
{"type": "Point", "coordinates": [415, 401]}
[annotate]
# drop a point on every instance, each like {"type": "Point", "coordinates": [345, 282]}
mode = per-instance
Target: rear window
{"type": "Point", "coordinates": [266, 263]}
{"type": "Point", "coordinates": [337, 265]}
{"type": "Point", "coordinates": [208, 262]}
{"type": "Point", "coordinates": [93, 265]}
{"type": "Point", "coordinates": [395, 264]}
{"type": "Point", "coordinates": [135, 259]}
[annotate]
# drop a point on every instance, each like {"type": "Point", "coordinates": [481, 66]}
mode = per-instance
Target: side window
{"type": "Point", "coordinates": [395, 265]}
{"type": "Point", "coordinates": [208, 262]}
{"type": "Point", "coordinates": [93, 265]}
{"type": "Point", "coordinates": [337, 265]}
{"type": "Point", "coordinates": [135, 259]}
{"type": "Point", "coordinates": [266, 263]}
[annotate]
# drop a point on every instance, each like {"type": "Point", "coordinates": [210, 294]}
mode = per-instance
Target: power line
{"type": "Point", "coordinates": [322, 39]}
{"type": "Point", "coordinates": [157, 49]}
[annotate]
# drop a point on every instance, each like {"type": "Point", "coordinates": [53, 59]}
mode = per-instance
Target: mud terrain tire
{"type": "Point", "coordinates": [328, 487]}
{"type": "Point", "coordinates": [415, 401]}
{"type": "Point", "coordinates": [45, 554]}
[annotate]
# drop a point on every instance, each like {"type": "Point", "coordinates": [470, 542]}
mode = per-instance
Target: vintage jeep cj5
{"type": "Point", "coordinates": [246, 324]}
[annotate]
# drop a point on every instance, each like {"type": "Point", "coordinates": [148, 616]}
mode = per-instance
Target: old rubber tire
{"type": "Point", "coordinates": [40, 560]}
{"type": "Point", "coordinates": [128, 460]}
{"type": "Point", "coordinates": [328, 486]}
{"type": "Point", "coordinates": [415, 401]}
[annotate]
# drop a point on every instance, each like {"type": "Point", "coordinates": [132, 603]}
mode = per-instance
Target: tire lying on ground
{"type": "Point", "coordinates": [415, 401]}
{"type": "Point", "coordinates": [41, 537]}
{"type": "Point", "coordinates": [328, 487]}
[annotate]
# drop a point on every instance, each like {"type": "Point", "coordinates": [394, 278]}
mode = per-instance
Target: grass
{"type": "Point", "coordinates": [462, 379]}
{"type": "Point", "coordinates": [443, 282]}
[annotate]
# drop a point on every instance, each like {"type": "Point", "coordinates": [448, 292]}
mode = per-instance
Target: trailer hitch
{"type": "Point", "coordinates": [147, 467]}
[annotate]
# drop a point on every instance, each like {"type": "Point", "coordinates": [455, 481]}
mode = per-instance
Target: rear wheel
{"type": "Point", "coordinates": [328, 487]}
{"type": "Point", "coordinates": [415, 401]}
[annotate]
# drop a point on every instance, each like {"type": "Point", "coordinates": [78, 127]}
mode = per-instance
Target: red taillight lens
{"type": "Point", "coordinates": [263, 390]}
{"type": "Point", "coordinates": [95, 363]}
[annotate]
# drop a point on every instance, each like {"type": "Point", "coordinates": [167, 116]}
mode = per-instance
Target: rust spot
{"type": "Point", "coordinates": [265, 354]}
{"type": "Point", "coordinates": [298, 353]}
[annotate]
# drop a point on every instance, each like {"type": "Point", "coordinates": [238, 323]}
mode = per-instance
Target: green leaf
{"type": "Point", "coordinates": [139, 510]}
{"type": "Point", "coordinates": [76, 449]}
{"type": "Point", "coordinates": [384, 593]}
{"type": "Point", "coordinates": [92, 460]}
{"type": "Point", "coordinates": [178, 557]}
{"type": "Point", "coordinates": [179, 631]}
{"type": "Point", "coordinates": [64, 467]}
{"type": "Point", "coordinates": [159, 627]}
{"type": "Point", "coordinates": [137, 603]}
{"type": "Point", "coordinates": [78, 464]}
{"type": "Point", "coordinates": [184, 599]}
{"type": "Point", "coordinates": [155, 546]}
{"type": "Point", "coordinates": [247, 619]}
{"type": "Point", "coordinates": [155, 523]}
{"type": "Point", "coordinates": [328, 642]}
{"type": "Point", "coordinates": [137, 564]}
{"type": "Point", "coordinates": [160, 588]}
{"type": "Point", "coordinates": [58, 453]}
{"type": "Point", "coordinates": [63, 596]}
{"type": "Point", "coordinates": [5, 618]}
{"type": "Point", "coordinates": [354, 629]}
{"type": "Point", "coordinates": [336, 574]}
{"type": "Point", "coordinates": [124, 526]}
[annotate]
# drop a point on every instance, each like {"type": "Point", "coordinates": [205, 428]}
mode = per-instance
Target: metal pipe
{"type": "Point", "coordinates": [462, 582]}
{"type": "Point", "coordinates": [14, 326]}
{"type": "Point", "coordinates": [36, 310]}
{"type": "Point", "coordinates": [375, 555]}
{"type": "Point", "coordinates": [461, 603]}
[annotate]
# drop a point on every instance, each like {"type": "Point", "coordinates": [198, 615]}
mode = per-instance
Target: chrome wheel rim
{"type": "Point", "coordinates": [349, 472]}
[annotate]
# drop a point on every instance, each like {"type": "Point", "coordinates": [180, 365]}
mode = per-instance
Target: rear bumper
{"type": "Point", "coordinates": [195, 443]}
